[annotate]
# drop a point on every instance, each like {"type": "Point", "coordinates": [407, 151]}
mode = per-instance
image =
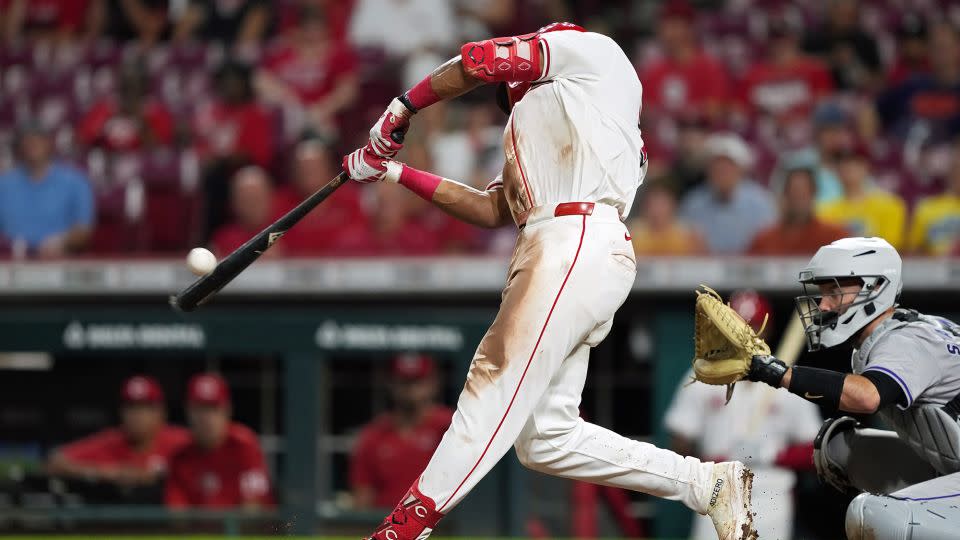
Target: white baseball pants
{"type": "Point", "coordinates": [567, 278]}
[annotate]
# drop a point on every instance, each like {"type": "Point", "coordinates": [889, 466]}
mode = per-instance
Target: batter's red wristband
{"type": "Point", "coordinates": [422, 95]}
{"type": "Point", "coordinates": [420, 182]}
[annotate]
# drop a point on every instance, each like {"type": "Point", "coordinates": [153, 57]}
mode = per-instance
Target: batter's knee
{"type": "Point", "coordinates": [539, 450]}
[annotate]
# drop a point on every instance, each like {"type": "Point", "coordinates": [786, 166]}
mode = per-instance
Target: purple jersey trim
{"type": "Point", "coordinates": [897, 378]}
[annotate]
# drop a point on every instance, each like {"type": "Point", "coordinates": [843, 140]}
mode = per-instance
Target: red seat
{"type": "Point", "coordinates": [114, 231]}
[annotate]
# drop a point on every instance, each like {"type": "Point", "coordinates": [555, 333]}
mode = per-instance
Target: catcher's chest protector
{"type": "Point", "coordinates": [930, 431]}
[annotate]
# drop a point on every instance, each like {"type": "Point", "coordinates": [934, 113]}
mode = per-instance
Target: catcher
{"type": "Point", "coordinates": [906, 368]}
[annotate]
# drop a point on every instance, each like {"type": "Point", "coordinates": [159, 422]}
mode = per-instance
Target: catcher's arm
{"type": "Point", "coordinates": [830, 390]}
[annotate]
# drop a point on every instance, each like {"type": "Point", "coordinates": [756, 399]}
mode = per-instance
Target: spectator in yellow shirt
{"type": "Point", "coordinates": [658, 231]}
{"type": "Point", "coordinates": [864, 209]}
{"type": "Point", "coordinates": [936, 220]}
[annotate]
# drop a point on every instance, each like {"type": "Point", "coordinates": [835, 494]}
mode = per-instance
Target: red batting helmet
{"type": "Point", "coordinates": [753, 307]}
{"type": "Point", "coordinates": [509, 93]}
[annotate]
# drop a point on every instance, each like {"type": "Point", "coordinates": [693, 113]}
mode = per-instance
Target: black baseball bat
{"type": "Point", "coordinates": [230, 267]}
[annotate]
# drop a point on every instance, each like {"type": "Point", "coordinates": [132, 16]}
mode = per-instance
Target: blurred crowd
{"type": "Point", "coordinates": [132, 127]}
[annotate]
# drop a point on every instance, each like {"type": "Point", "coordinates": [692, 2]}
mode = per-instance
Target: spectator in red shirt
{"type": "Point", "coordinates": [130, 120]}
{"type": "Point", "coordinates": [135, 453]}
{"type": "Point", "coordinates": [342, 227]}
{"type": "Point", "coordinates": [44, 20]}
{"type": "Point", "coordinates": [252, 205]}
{"type": "Point", "coordinates": [396, 445]}
{"type": "Point", "coordinates": [223, 466]}
{"type": "Point", "coordinates": [788, 83]}
{"type": "Point", "coordinates": [686, 78]}
{"type": "Point", "coordinates": [337, 13]}
{"type": "Point", "coordinates": [311, 73]}
{"type": "Point", "coordinates": [912, 56]}
{"type": "Point", "coordinates": [799, 231]}
{"type": "Point", "coordinates": [231, 131]}
{"type": "Point", "coordinates": [233, 126]}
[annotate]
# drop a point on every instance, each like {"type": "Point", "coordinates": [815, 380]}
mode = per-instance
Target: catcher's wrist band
{"type": "Point", "coordinates": [819, 386]}
{"type": "Point", "coordinates": [420, 182]}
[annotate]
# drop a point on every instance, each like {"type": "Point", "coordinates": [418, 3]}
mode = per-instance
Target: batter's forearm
{"type": "Point", "coordinates": [448, 81]}
{"type": "Point", "coordinates": [487, 209]}
{"type": "Point", "coordinates": [481, 208]}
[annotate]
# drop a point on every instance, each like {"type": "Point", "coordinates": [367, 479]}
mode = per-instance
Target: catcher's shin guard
{"type": "Point", "coordinates": [413, 519]}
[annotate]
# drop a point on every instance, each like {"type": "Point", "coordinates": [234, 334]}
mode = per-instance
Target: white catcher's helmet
{"type": "Point", "coordinates": [878, 266]}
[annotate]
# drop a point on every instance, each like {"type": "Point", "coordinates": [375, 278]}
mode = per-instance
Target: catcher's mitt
{"type": "Point", "coordinates": [724, 343]}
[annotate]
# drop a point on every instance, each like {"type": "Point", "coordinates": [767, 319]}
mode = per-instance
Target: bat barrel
{"type": "Point", "coordinates": [233, 264]}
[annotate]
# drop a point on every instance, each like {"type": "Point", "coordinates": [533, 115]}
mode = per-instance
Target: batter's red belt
{"type": "Point", "coordinates": [549, 211]}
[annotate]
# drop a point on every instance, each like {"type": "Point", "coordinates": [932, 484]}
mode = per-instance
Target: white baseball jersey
{"type": "Point", "coordinates": [573, 138]}
{"type": "Point", "coordinates": [574, 135]}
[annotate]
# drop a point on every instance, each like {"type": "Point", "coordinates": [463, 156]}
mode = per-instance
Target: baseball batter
{"type": "Point", "coordinates": [906, 368]}
{"type": "Point", "coordinates": [574, 160]}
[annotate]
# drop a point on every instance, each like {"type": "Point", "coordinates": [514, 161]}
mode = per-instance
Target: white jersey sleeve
{"type": "Point", "coordinates": [570, 53]}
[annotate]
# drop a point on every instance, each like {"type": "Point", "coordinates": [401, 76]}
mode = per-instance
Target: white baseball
{"type": "Point", "coordinates": [200, 261]}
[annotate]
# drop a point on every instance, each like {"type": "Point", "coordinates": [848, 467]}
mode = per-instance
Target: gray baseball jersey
{"type": "Point", "coordinates": [922, 355]}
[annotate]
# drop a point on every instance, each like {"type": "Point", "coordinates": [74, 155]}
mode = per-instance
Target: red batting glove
{"type": "Point", "coordinates": [395, 118]}
{"type": "Point", "coordinates": [365, 166]}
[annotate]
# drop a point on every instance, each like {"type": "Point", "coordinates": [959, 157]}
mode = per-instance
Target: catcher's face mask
{"type": "Point", "coordinates": [833, 309]}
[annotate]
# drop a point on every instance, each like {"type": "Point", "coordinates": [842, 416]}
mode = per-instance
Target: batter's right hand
{"type": "Point", "coordinates": [365, 166]}
{"type": "Point", "coordinates": [395, 119]}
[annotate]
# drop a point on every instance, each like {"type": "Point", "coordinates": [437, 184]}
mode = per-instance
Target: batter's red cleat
{"type": "Point", "coordinates": [413, 519]}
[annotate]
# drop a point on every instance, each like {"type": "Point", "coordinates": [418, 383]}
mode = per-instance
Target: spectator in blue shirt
{"type": "Point", "coordinates": [729, 209]}
{"type": "Point", "coordinates": [44, 205]}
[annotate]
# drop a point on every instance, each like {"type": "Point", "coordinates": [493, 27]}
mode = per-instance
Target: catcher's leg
{"type": "Point", "coordinates": [926, 511]}
{"type": "Point", "coordinates": [562, 282]}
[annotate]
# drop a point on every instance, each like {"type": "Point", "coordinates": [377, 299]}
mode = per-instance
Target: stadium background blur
{"type": "Point", "coordinates": [771, 127]}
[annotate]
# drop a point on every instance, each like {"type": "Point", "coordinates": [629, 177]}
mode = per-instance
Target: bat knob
{"type": "Point", "coordinates": [398, 136]}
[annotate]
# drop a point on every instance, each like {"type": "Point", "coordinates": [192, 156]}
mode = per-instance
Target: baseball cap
{"type": "Point", "coordinates": [208, 389]}
{"type": "Point", "coordinates": [412, 366]}
{"type": "Point", "coordinates": [752, 306]}
{"type": "Point", "coordinates": [141, 389]}
{"type": "Point", "coordinates": [830, 114]}
{"type": "Point", "coordinates": [731, 146]}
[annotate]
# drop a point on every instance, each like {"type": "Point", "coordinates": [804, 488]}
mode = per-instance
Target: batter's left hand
{"type": "Point", "coordinates": [365, 166]}
{"type": "Point", "coordinates": [395, 119]}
